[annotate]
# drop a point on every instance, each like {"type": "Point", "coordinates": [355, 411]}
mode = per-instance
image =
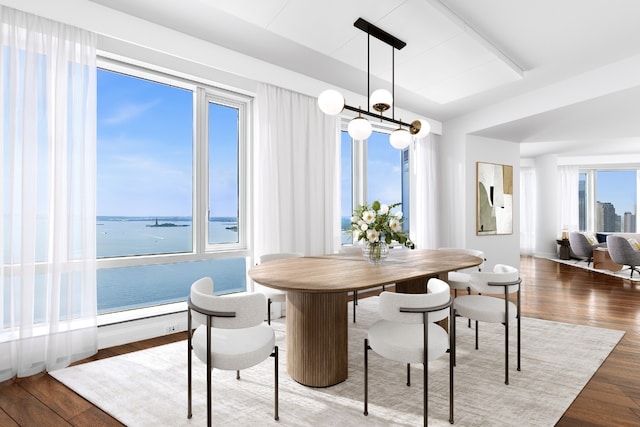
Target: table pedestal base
{"type": "Point", "coordinates": [317, 338]}
{"type": "Point", "coordinates": [417, 286]}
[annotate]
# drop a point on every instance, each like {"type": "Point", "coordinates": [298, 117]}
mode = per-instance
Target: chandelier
{"type": "Point", "coordinates": [332, 103]}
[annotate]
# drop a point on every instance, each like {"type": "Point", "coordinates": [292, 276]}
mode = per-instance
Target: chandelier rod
{"type": "Point", "coordinates": [393, 83]}
{"type": "Point", "coordinates": [368, 70]}
{"type": "Point", "coordinates": [376, 115]}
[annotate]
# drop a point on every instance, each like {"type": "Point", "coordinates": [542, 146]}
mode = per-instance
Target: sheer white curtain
{"type": "Point", "coordinates": [568, 213]}
{"type": "Point", "coordinates": [528, 208]}
{"type": "Point", "coordinates": [47, 194]}
{"type": "Point", "coordinates": [425, 201]}
{"type": "Point", "coordinates": [296, 175]}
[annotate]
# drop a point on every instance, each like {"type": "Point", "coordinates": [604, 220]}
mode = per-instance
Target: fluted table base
{"type": "Point", "coordinates": [317, 350]}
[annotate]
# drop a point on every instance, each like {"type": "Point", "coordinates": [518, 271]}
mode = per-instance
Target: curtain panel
{"type": "Point", "coordinates": [296, 175]}
{"type": "Point", "coordinates": [528, 210]}
{"type": "Point", "coordinates": [568, 203]}
{"type": "Point", "coordinates": [48, 304]}
{"type": "Point", "coordinates": [425, 206]}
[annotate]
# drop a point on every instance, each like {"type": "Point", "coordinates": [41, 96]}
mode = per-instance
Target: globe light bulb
{"type": "Point", "coordinates": [420, 128]}
{"type": "Point", "coordinates": [381, 100]}
{"type": "Point", "coordinates": [400, 138]}
{"type": "Point", "coordinates": [359, 128]}
{"type": "Point", "coordinates": [331, 102]}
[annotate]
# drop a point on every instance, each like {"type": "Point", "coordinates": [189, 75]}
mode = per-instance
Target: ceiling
{"type": "Point", "coordinates": [461, 55]}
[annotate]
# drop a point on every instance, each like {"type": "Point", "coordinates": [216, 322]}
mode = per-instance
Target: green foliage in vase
{"type": "Point", "coordinates": [377, 223]}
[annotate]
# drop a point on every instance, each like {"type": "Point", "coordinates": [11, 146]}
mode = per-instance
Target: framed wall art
{"type": "Point", "coordinates": [494, 199]}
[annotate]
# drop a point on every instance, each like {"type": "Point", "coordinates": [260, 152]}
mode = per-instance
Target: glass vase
{"type": "Point", "coordinates": [376, 252]}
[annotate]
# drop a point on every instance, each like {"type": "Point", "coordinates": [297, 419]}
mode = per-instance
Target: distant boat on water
{"type": "Point", "coordinates": [166, 224]}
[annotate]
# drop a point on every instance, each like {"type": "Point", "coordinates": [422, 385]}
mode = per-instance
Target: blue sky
{"type": "Point", "coordinates": [618, 188]}
{"type": "Point", "coordinates": [145, 150]}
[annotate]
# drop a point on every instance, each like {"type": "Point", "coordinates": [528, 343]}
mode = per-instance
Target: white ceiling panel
{"type": "Point", "coordinates": [474, 80]}
{"type": "Point", "coordinates": [260, 13]}
{"type": "Point", "coordinates": [461, 55]}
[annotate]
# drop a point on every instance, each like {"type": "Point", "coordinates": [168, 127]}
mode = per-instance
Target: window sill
{"type": "Point", "coordinates": [141, 313]}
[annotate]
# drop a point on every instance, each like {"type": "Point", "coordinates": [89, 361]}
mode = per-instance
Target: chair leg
{"type": "Point", "coordinates": [366, 375]}
{"type": "Point", "coordinates": [189, 356]}
{"type": "Point", "coordinates": [275, 373]}
{"type": "Point", "coordinates": [408, 375]}
{"type": "Point", "coordinates": [425, 365]}
{"type": "Point", "coordinates": [237, 374]}
{"type": "Point", "coordinates": [209, 372]}
{"type": "Point", "coordinates": [519, 317]}
{"type": "Point", "coordinates": [355, 302]}
{"type": "Point", "coordinates": [452, 338]}
{"type": "Point", "coordinates": [469, 320]}
{"type": "Point", "coordinates": [506, 336]}
{"type": "Point", "coordinates": [476, 334]}
{"type": "Point", "coordinates": [452, 358]}
{"type": "Point", "coordinates": [426, 390]}
{"type": "Point", "coordinates": [268, 311]}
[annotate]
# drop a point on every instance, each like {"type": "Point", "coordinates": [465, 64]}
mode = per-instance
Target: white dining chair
{"type": "Point", "coordinates": [459, 280]}
{"type": "Point", "coordinates": [230, 335]}
{"type": "Point", "coordinates": [407, 333]}
{"type": "Point", "coordinates": [274, 295]}
{"type": "Point", "coordinates": [503, 280]}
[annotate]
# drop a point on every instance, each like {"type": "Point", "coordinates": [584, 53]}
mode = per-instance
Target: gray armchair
{"type": "Point", "coordinates": [622, 252]}
{"type": "Point", "coordinates": [581, 247]}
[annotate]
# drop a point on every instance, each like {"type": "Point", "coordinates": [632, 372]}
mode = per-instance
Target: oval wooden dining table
{"type": "Point", "coordinates": [317, 287]}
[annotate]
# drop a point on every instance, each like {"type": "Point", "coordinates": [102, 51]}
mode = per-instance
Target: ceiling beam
{"type": "Point", "coordinates": [456, 19]}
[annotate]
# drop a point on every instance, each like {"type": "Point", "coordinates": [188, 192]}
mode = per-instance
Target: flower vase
{"type": "Point", "coordinates": [376, 252]}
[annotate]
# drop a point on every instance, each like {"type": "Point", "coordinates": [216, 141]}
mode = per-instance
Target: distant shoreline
{"type": "Point", "coordinates": [162, 218]}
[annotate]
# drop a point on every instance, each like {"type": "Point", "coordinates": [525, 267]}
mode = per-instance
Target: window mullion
{"type": "Point", "coordinates": [201, 172]}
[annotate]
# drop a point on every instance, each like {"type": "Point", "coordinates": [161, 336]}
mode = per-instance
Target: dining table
{"type": "Point", "coordinates": [317, 290]}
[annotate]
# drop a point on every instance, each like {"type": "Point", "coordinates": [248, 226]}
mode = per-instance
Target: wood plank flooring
{"type": "Point", "coordinates": [551, 291]}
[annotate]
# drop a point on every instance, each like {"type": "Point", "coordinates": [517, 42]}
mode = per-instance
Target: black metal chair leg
{"type": "Point", "coordinates": [275, 356]}
{"type": "Point", "coordinates": [506, 336]}
{"type": "Point", "coordinates": [189, 356]}
{"type": "Point", "coordinates": [476, 334]}
{"type": "Point", "coordinates": [355, 302]}
{"type": "Point", "coordinates": [366, 375]}
{"type": "Point", "coordinates": [408, 375]}
{"type": "Point", "coordinates": [268, 311]}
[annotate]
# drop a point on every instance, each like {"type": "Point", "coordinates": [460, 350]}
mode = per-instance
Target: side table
{"type": "Point", "coordinates": [564, 249]}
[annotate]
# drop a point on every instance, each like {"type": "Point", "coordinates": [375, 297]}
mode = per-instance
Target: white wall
{"type": "Point", "coordinates": [459, 153]}
{"type": "Point", "coordinates": [498, 249]}
{"type": "Point", "coordinates": [547, 206]}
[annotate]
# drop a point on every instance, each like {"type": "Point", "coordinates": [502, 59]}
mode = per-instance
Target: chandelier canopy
{"type": "Point", "coordinates": [332, 103]}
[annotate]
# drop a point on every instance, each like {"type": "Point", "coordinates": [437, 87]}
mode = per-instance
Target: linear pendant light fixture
{"type": "Point", "coordinates": [332, 103]}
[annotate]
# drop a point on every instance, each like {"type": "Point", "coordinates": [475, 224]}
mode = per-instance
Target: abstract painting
{"type": "Point", "coordinates": [494, 199]}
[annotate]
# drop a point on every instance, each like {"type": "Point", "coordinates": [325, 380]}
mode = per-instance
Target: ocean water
{"type": "Point", "coordinates": [140, 286]}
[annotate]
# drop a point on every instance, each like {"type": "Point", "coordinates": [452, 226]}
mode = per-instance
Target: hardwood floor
{"type": "Point", "coordinates": [551, 291]}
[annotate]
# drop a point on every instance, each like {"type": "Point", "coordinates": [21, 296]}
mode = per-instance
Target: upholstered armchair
{"type": "Point", "coordinates": [582, 247]}
{"type": "Point", "coordinates": [623, 253]}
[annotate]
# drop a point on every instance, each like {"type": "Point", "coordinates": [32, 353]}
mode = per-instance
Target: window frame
{"type": "Point", "coordinates": [359, 170]}
{"type": "Point", "coordinates": [202, 92]}
{"type": "Point", "coordinates": [591, 200]}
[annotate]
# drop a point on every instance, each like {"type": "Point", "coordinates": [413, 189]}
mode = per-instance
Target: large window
{"type": "Point", "coordinates": [170, 188]}
{"type": "Point", "coordinates": [372, 170]}
{"type": "Point", "coordinates": [608, 200]}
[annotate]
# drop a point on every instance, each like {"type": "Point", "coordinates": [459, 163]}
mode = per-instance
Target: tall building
{"type": "Point", "coordinates": [629, 222]}
{"type": "Point", "coordinates": [607, 220]}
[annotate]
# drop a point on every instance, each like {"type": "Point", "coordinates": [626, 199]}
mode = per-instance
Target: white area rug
{"type": "Point", "coordinates": [148, 388]}
{"type": "Point", "coordinates": [622, 274]}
